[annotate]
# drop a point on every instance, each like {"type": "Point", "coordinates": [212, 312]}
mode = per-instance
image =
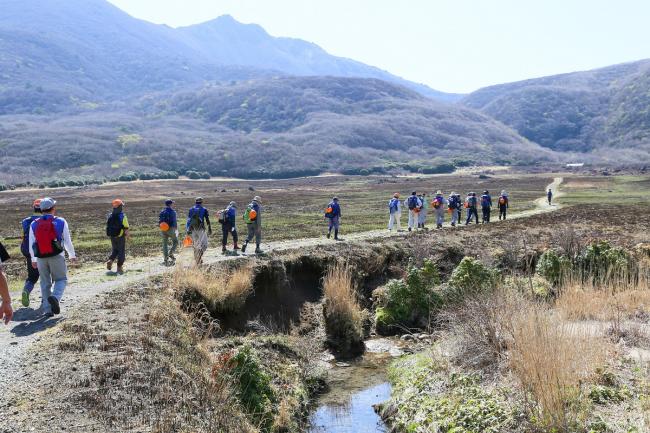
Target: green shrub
{"type": "Point", "coordinates": [253, 386]}
{"type": "Point", "coordinates": [541, 289]}
{"type": "Point", "coordinates": [603, 394]}
{"type": "Point", "coordinates": [553, 267]}
{"type": "Point", "coordinates": [602, 260]}
{"type": "Point", "coordinates": [470, 277]}
{"type": "Point", "coordinates": [410, 301]}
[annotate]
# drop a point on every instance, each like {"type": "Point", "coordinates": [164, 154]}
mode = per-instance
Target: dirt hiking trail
{"type": "Point", "coordinates": [92, 281]}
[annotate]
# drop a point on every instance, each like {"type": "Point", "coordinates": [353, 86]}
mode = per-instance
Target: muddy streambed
{"type": "Point", "coordinates": [353, 388]}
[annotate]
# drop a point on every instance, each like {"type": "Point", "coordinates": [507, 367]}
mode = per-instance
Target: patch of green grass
{"type": "Point", "coordinates": [610, 191]}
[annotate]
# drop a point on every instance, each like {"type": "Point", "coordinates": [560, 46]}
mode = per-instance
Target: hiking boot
{"type": "Point", "coordinates": [329, 235]}
{"type": "Point", "coordinates": [25, 298]}
{"type": "Point", "coordinates": [224, 250]}
{"type": "Point", "coordinates": [54, 304]}
{"type": "Point", "coordinates": [258, 251]}
{"type": "Point", "coordinates": [235, 247]}
{"type": "Point", "coordinates": [109, 265]}
{"type": "Point", "coordinates": [409, 228]}
{"type": "Point", "coordinates": [120, 270]}
{"type": "Point", "coordinates": [243, 247]}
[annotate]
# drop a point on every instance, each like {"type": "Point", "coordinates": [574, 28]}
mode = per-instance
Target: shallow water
{"type": "Point", "coordinates": [353, 390]}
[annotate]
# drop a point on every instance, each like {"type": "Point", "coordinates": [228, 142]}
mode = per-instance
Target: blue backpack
{"type": "Point", "coordinates": [393, 205]}
{"type": "Point", "coordinates": [413, 202]}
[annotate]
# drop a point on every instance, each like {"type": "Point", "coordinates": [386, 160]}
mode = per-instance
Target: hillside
{"type": "Point", "coordinates": [263, 128]}
{"type": "Point", "coordinates": [592, 111]}
{"type": "Point", "coordinates": [55, 53]}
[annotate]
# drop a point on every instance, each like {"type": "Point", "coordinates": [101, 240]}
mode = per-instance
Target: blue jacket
{"type": "Point", "coordinates": [486, 200]}
{"type": "Point", "coordinates": [24, 245]}
{"type": "Point", "coordinates": [336, 209]}
{"type": "Point", "coordinates": [168, 215]}
{"type": "Point", "coordinates": [202, 212]}
{"type": "Point", "coordinates": [230, 217]}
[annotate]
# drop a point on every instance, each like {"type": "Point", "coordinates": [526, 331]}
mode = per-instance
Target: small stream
{"type": "Point", "coordinates": [354, 387]}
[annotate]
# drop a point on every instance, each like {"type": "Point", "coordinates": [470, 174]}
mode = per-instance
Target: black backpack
{"type": "Point", "coordinates": [114, 225]}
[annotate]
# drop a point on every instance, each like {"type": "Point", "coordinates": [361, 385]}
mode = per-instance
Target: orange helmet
{"type": "Point", "coordinates": [117, 203]}
{"type": "Point", "coordinates": [37, 203]}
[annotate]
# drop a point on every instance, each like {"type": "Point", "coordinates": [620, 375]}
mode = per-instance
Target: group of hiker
{"type": "Point", "coordinates": [418, 207]}
{"type": "Point", "coordinates": [46, 237]}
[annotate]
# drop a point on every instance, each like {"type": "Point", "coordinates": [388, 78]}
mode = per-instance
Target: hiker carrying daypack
{"type": "Point", "coordinates": [168, 224]}
{"type": "Point", "coordinates": [114, 224]}
{"type": "Point", "coordinates": [412, 202]}
{"type": "Point", "coordinates": [503, 205]}
{"type": "Point", "coordinates": [471, 202]}
{"type": "Point", "coordinates": [253, 220]}
{"type": "Point", "coordinates": [32, 273]}
{"type": "Point", "coordinates": [47, 239]}
{"type": "Point", "coordinates": [117, 228]}
{"type": "Point", "coordinates": [395, 212]}
{"type": "Point", "coordinates": [333, 215]}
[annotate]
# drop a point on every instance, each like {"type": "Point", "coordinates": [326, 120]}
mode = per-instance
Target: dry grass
{"type": "Point", "coordinates": [343, 315]}
{"type": "Point", "coordinates": [220, 289]}
{"type": "Point", "coordinates": [553, 360]}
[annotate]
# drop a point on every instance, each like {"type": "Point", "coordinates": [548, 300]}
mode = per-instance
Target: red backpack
{"type": "Point", "coordinates": [47, 243]}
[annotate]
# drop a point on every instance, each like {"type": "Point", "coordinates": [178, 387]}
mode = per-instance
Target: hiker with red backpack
{"type": "Point", "coordinates": [168, 224]}
{"type": "Point", "coordinates": [49, 239]}
{"type": "Point", "coordinates": [414, 205]}
{"type": "Point", "coordinates": [6, 310]}
{"type": "Point", "coordinates": [471, 204]}
{"type": "Point", "coordinates": [439, 204]}
{"type": "Point", "coordinates": [117, 228]}
{"type": "Point", "coordinates": [395, 212]}
{"type": "Point", "coordinates": [32, 274]}
{"type": "Point", "coordinates": [486, 206]}
{"type": "Point", "coordinates": [228, 221]}
{"type": "Point", "coordinates": [198, 218]}
{"type": "Point", "coordinates": [503, 204]}
{"type": "Point", "coordinates": [333, 215]}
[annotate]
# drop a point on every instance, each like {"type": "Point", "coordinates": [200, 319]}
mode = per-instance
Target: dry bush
{"type": "Point", "coordinates": [343, 315]}
{"type": "Point", "coordinates": [553, 360]}
{"type": "Point", "coordinates": [625, 296]}
{"type": "Point", "coordinates": [221, 290]}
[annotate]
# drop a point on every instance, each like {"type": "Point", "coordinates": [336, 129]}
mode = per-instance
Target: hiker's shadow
{"type": "Point", "coordinates": [29, 326]}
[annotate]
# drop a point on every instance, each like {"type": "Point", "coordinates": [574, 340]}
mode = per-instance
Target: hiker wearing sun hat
{"type": "Point", "coordinates": [395, 211]}
{"type": "Point", "coordinates": [454, 206]}
{"type": "Point", "coordinates": [117, 228]}
{"type": "Point", "coordinates": [168, 224]}
{"type": "Point", "coordinates": [439, 204]}
{"type": "Point", "coordinates": [49, 237]}
{"type": "Point", "coordinates": [32, 274]}
{"type": "Point", "coordinates": [253, 220]}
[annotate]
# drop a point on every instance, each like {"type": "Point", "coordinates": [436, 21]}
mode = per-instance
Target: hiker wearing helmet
{"type": "Point", "coordinates": [228, 220]}
{"type": "Point", "coordinates": [414, 205]}
{"type": "Point", "coordinates": [453, 204]}
{"type": "Point", "coordinates": [333, 215]}
{"type": "Point", "coordinates": [168, 224]}
{"type": "Point", "coordinates": [486, 206]}
{"type": "Point", "coordinates": [6, 311]}
{"type": "Point", "coordinates": [549, 196]}
{"type": "Point", "coordinates": [439, 204]}
{"type": "Point", "coordinates": [471, 204]}
{"type": "Point", "coordinates": [253, 220]}
{"type": "Point", "coordinates": [503, 204]}
{"type": "Point", "coordinates": [395, 211]}
{"type": "Point", "coordinates": [422, 215]}
{"type": "Point", "coordinates": [197, 219]}
{"type": "Point", "coordinates": [32, 274]}
{"type": "Point", "coordinates": [117, 228]}
{"type": "Point", "coordinates": [49, 239]}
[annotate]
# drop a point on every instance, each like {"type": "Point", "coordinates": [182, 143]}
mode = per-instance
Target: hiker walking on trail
{"type": "Point", "coordinates": [471, 204]}
{"type": "Point", "coordinates": [453, 206]}
{"type": "Point", "coordinates": [439, 204]}
{"type": "Point", "coordinates": [253, 220]}
{"type": "Point", "coordinates": [486, 206]}
{"type": "Point", "coordinates": [549, 196]}
{"type": "Point", "coordinates": [395, 211]}
{"type": "Point", "coordinates": [503, 205]}
{"type": "Point", "coordinates": [168, 223]}
{"type": "Point", "coordinates": [198, 218]}
{"type": "Point", "coordinates": [117, 228]}
{"type": "Point", "coordinates": [422, 215]}
{"type": "Point", "coordinates": [333, 215]}
{"type": "Point", "coordinates": [228, 220]}
{"type": "Point", "coordinates": [32, 274]}
{"type": "Point", "coordinates": [6, 311]}
{"type": "Point", "coordinates": [414, 205]}
{"type": "Point", "coordinates": [459, 200]}
{"type": "Point", "coordinates": [49, 239]}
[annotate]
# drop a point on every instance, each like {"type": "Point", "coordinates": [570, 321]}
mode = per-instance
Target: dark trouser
{"type": "Point", "coordinates": [225, 229]}
{"type": "Point", "coordinates": [166, 237]}
{"type": "Point", "coordinates": [254, 231]}
{"type": "Point", "coordinates": [32, 276]}
{"type": "Point", "coordinates": [460, 215]}
{"type": "Point", "coordinates": [119, 250]}
{"type": "Point", "coordinates": [471, 211]}
{"type": "Point", "coordinates": [502, 212]}
{"type": "Point", "coordinates": [486, 214]}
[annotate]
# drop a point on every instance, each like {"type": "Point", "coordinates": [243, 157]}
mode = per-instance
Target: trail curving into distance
{"type": "Point", "coordinates": [27, 327]}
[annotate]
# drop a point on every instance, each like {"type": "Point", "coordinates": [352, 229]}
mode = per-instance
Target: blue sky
{"type": "Point", "coordinates": [451, 45]}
